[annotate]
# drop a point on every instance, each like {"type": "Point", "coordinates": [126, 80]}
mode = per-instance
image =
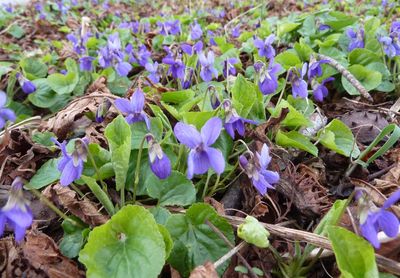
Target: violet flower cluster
{"type": "Point", "coordinates": [6, 114]}
{"type": "Point", "coordinates": [16, 213]}
{"type": "Point", "coordinates": [391, 43]}
{"type": "Point", "coordinates": [356, 38]}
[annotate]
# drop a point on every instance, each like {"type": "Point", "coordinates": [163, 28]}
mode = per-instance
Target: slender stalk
{"type": "Point", "coordinates": [103, 184]}
{"type": "Point", "coordinates": [206, 185]}
{"type": "Point", "coordinates": [80, 193]}
{"type": "Point", "coordinates": [101, 196]}
{"type": "Point", "coordinates": [214, 188]}
{"type": "Point", "coordinates": [137, 170]}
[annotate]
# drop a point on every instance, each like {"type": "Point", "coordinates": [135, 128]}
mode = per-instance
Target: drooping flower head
{"type": "Point", "coordinates": [215, 102]}
{"type": "Point", "coordinates": [133, 108]}
{"type": "Point", "coordinates": [159, 162]}
{"type": "Point", "coordinates": [27, 86]}
{"type": "Point", "coordinates": [207, 66]}
{"type": "Point", "coordinates": [152, 68]}
{"type": "Point", "coordinates": [102, 110]}
{"type": "Point", "coordinates": [356, 38]}
{"type": "Point", "coordinates": [268, 82]}
{"type": "Point", "coordinates": [319, 89]}
{"type": "Point", "coordinates": [233, 122]}
{"type": "Point", "coordinates": [229, 66]}
{"type": "Point", "coordinates": [314, 67]}
{"type": "Point", "coordinates": [16, 213]}
{"type": "Point", "coordinates": [201, 156]}
{"type": "Point", "coordinates": [373, 219]}
{"type": "Point", "coordinates": [71, 165]}
{"type": "Point", "coordinates": [299, 85]}
{"type": "Point", "coordinates": [265, 48]}
{"type": "Point", "coordinates": [256, 169]}
{"type": "Point", "coordinates": [6, 114]}
{"type": "Point", "coordinates": [186, 82]}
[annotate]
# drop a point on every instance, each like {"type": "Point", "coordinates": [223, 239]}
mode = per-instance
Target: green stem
{"type": "Point", "coordinates": [101, 196]}
{"type": "Point", "coordinates": [206, 185]}
{"type": "Point", "coordinates": [103, 184]}
{"type": "Point", "coordinates": [180, 155]}
{"type": "Point", "coordinates": [214, 188]}
{"type": "Point", "coordinates": [137, 170]}
{"type": "Point", "coordinates": [231, 172]}
{"type": "Point", "coordinates": [80, 193]}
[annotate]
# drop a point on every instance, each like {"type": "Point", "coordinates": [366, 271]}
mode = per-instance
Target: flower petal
{"type": "Point", "coordinates": [392, 199]}
{"type": "Point", "coordinates": [211, 130]}
{"type": "Point", "coordinates": [389, 223]}
{"type": "Point", "coordinates": [198, 163]}
{"type": "Point", "coordinates": [123, 105]}
{"type": "Point", "coordinates": [216, 160]}
{"type": "Point", "coordinates": [370, 232]}
{"type": "Point", "coordinates": [137, 101]}
{"type": "Point", "coordinates": [161, 167]}
{"type": "Point", "coordinates": [69, 174]}
{"type": "Point", "coordinates": [187, 135]}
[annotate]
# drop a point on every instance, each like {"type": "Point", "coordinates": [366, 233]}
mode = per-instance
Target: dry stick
{"type": "Point", "coordinates": [228, 255]}
{"type": "Point", "coordinates": [350, 77]}
{"type": "Point", "coordinates": [223, 237]}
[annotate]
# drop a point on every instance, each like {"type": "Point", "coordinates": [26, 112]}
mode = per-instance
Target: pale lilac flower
{"type": "Point", "coordinates": [319, 89]}
{"type": "Point", "coordinates": [256, 169]}
{"type": "Point", "coordinates": [133, 108]}
{"type": "Point", "coordinates": [265, 48]}
{"type": "Point", "coordinates": [102, 110]}
{"type": "Point", "coordinates": [160, 164]}
{"type": "Point", "coordinates": [299, 85]}
{"type": "Point", "coordinates": [268, 82]}
{"type": "Point", "coordinates": [380, 219]}
{"type": "Point", "coordinates": [6, 114]}
{"type": "Point", "coordinates": [153, 72]}
{"type": "Point", "coordinates": [236, 31]}
{"type": "Point", "coordinates": [71, 165]}
{"type": "Point", "coordinates": [389, 46]}
{"type": "Point", "coordinates": [207, 66]}
{"type": "Point", "coordinates": [201, 156]}
{"type": "Point", "coordinates": [196, 32]}
{"type": "Point", "coordinates": [8, 8]}
{"type": "Point", "coordinates": [16, 213]}
{"type": "Point", "coordinates": [86, 63]}
{"type": "Point", "coordinates": [172, 27]}
{"type": "Point", "coordinates": [27, 86]}
{"type": "Point", "coordinates": [356, 38]}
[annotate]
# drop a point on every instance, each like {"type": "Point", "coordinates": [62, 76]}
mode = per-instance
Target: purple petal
{"type": "Point", "coordinates": [198, 163]}
{"type": "Point", "coordinates": [370, 232]}
{"type": "Point", "coordinates": [124, 105]}
{"type": "Point", "coordinates": [69, 174]}
{"type": "Point", "coordinates": [211, 130]}
{"type": "Point", "coordinates": [187, 135]}
{"type": "Point", "coordinates": [137, 101]}
{"type": "Point", "coordinates": [392, 199]}
{"type": "Point", "coordinates": [270, 176]}
{"type": "Point", "coordinates": [216, 160]}
{"type": "Point", "coordinates": [264, 156]}
{"type": "Point", "coordinates": [389, 223]}
{"type": "Point", "coordinates": [161, 167]}
{"type": "Point", "coordinates": [3, 99]}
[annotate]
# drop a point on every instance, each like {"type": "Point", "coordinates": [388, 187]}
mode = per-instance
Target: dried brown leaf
{"type": "Point", "coordinates": [204, 271]}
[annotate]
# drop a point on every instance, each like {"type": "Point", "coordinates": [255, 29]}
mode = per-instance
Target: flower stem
{"type": "Point", "coordinates": [103, 184]}
{"type": "Point", "coordinates": [206, 185]}
{"type": "Point", "coordinates": [214, 188]}
{"type": "Point", "coordinates": [137, 170]}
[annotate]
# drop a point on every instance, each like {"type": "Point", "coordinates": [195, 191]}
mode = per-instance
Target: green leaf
{"type": "Point", "coordinates": [176, 190]}
{"type": "Point", "coordinates": [354, 255]}
{"type": "Point", "coordinates": [331, 218]}
{"type": "Point", "coordinates": [363, 57]}
{"type": "Point", "coordinates": [74, 238]}
{"type": "Point", "coordinates": [5, 67]}
{"type": "Point", "coordinates": [338, 20]}
{"type": "Point", "coordinates": [370, 79]}
{"type": "Point", "coordinates": [47, 174]}
{"type": "Point", "coordinates": [33, 68]}
{"type": "Point", "coordinates": [195, 241]}
{"type": "Point", "coordinates": [253, 232]}
{"type": "Point", "coordinates": [247, 99]}
{"type": "Point", "coordinates": [44, 96]}
{"type": "Point", "coordinates": [130, 244]}
{"type": "Point", "coordinates": [198, 119]}
{"type": "Point", "coordinates": [65, 84]}
{"type": "Point", "coordinates": [338, 137]}
{"type": "Point", "coordinates": [286, 27]}
{"type": "Point", "coordinates": [177, 96]}
{"type": "Point", "coordinates": [303, 50]}
{"type": "Point", "coordinates": [296, 140]}
{"type": "Point", "coordinates": [43, 138]}
{"type": "Point", "coordinates": [139, 130]}
{"type": "Point", "coordinates": [288, 59]}
{"type": "Point", "coordinates": [16, 31]}
{"type": "Point", "coordinates": [160, 214]}
{"type": "Point", "coordinates": [118, 134]}
{"type": "Point", "coordinates": [293, 119]}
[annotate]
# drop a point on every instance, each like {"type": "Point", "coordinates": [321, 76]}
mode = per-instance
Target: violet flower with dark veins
{"type": "Point", "coordinates": [233, 122]}
{"type": "Point", "coordinates": [16, 213]}
{"type": "Point", "coordinates": [160, 164]}
{"type": "Point", "coordinates": [133, 108]}
{"type": "Point", "coordinates": [71, 165]}
{"type": "Point", "coordinates": [268, 82]}
{"type": "Point", "coordinates": [207, 66]}
{"type": "Point", "coordinates": [256, 169]}
{"type": "Point", "coordinates": [201, 156]}
{"type": "Point", "coordinates": [299, 85]}
{"type": "Point", "coordinates": [265, 48]}
{"type": "Point", "coordinates": [373, 220]}
{"type": "Point", "coordinates": [356, 38]}
{"type": "Point", "coordinates": [27, 86]}
{"type": "Point", "coordinates": [6, 114]}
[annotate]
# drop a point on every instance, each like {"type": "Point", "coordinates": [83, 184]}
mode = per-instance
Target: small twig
{"type": "Point", "coordinates": [241, 258]}
{"type": "Point", "coordinates": [228, 255]}
{"type": "Point", "coordinates": [348, 75]}
{"type": "Point", "coordinates": [380, 172]}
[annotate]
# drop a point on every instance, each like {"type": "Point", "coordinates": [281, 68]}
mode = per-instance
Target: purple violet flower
{"type": "Point", "coordinates": [314, 68]}
{"type": "Point", "coordinates": [6, 114]}
{"type": "Point", "coordinates": [102, 110]}
{"type": "Point", "coordinates": [186, 82]}
{"type": "Point", "coordinates": [160, 164]}
{"type": "Point", "coordinates": [201, 156]}
{"type": "Point", "coordinates": [27, 86]}
{"type": "Point", "coordinates": [86, 63]}
{"type": "Point", "coordinates": [71, 165]}
{"type": "Point", "coordinates": [207, 66]}
{"type": "Point", "coordinates": [16, 213]}
{"type": "Point", "coordinates": [196, 32]}
{"type": "Point", "coordinates": [256, 170]}
{"type": "Point", "coordinates": [389, 46]}
{"type": "Point", "coordinates": [265, 48]}
{"type": "Point", "coordinates": [211, 36]}
{"type": "Point", "coordinates": [134, 108]}
{"type": "Point", "coordinates": [323, 27]}
{"type": "Point", "coordinates": [319, 89]}
{"type": "Point", "coordinates": [236, 31]}
{"type": "Point", "coordinates": [176, 67]}
{"type": "Point", "coordinates": [380, 219]}
{"type": "Point", "coordinates": [356, 38]}
{"type": "Point", "coordinates": [8, 8]}
{"type": "Point", "coordinates": [172, 27]}
{"type": "Point", "coordinates": [190, 50]}
{"type": "Point", "coordinates": [233, 122]}
{"type": "Point", "coordinates": [153, 72]}
{"type": "Point", "coordinates": [229, 68]}
{"type": "Point", "coordinates": [268, 82]}
{"type": "Point", "coordinates": [299, 85]}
